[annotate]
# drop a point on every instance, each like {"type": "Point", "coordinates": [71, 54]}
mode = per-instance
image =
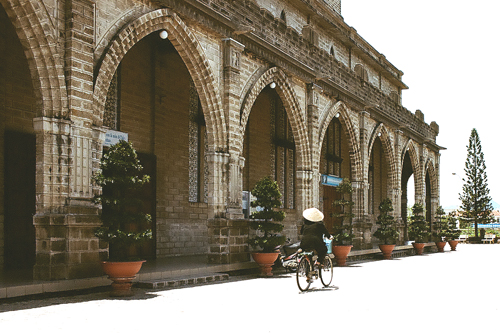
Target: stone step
{"type": "Point", "coordinates": [181, 281]}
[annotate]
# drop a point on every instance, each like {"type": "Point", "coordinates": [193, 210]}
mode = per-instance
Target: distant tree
{"type": "Point", "coordinates": [476, 202]}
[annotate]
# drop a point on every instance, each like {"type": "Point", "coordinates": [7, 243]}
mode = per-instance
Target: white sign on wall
{"type": "Point", "coordinates": [113, 137]}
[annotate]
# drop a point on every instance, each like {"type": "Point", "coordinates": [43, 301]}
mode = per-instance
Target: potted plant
{"type": "Point", "coordinates": [440, 229]}
{"type": "Point", "coordinates": [387, 231]}
{"type": "Point", "coordinates": [342, 234]}
{"type": "Point", "coordinates": [419, 228]}
{"type": "Point", "coordinates": [452, 232]}
{"type": "Point", "coordinates": [124, 224]}
{"type": "Point", "coordinates": [266, 221]}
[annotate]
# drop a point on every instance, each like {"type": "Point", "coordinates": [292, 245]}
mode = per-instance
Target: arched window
{"type": "Point", "coordinates": [394, 96]}
{"type": "Point", "coordinates": [332, 51]}
{"type": "Point", "coordinates": [361, 71]}
{"type": "Point", "coordinates": [283, 15]}
{"type": "Point", "coordinates": [198, 190]}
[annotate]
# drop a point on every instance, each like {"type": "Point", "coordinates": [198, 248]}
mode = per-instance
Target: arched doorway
{"type": "Point", "coordinates": [269, 146]}
{"type": "Point", "coordinates": [152, 98]}
{"type": "Point", "coordinates": [17, 151]}
{"type": "Point", "coordinates": [334, 162]}
{"type": "Point", "coordinates": [407, 175]}
{"type": "Point", "coordinates": [378, 178]}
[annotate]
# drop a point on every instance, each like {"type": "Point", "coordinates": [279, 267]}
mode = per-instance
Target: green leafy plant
{"type": "Point", "coordinates": [387, 232]}
{"type": "Point", "coordinates": [452, 232]}
{"type": "Point", "coordinates": [440, 225]}
{"type": "Point", "coordinates": [342, 233]}
{"type": "Point", "coordinates": [267, 217]}
{"type": "Point", "coordinates": [124, 224]}
{"type": "Point", "coordinates": [419, 228]}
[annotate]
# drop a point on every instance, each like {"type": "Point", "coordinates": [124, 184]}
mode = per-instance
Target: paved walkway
{"type": "Point", "coordinates": [435, 292]}
{"type": "Point", "coordinates": [21, 283]}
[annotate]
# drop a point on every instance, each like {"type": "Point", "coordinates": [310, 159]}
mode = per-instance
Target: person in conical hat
{"type": "Point", "coordinates": [313, 230]}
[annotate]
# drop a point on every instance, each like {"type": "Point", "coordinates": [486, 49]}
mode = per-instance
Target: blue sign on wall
{"type": "Point", "coordinates": [330, 180]}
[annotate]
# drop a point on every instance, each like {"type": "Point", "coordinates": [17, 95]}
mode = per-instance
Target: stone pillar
{"type": "Point", "coordinates": [66, 247]}
{"type": "Point", "coordinates": [231, 101]}
{"type": "Point", "coordinates": [65, 219]}
{"type": "Point", "coordinates": [313, 91]}
{"type": "Point", "coordinates": [228, 241]}
{"type": "Point", "coordinates": [217, 185]}
{"type": "Point", "coordinates": [363, 185]}
{"type": "Point", "coordinates": [361, 224]}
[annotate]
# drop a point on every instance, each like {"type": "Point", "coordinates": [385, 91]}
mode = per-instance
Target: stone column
{"type": "Point", "coordinates": [313, 91]}
{"type": "Point", "coordinates": [65, 219]}
{"type": "Point", "coordinates": [361, 224]}
{"type": "Point", "coordinates": [231, 100]}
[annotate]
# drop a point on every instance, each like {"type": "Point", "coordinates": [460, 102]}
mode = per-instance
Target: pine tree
{"type": "Point", "coordinates": [476, 202]}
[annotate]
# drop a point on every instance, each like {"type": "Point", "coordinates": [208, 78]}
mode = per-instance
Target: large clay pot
{"type": "Point", "coordinates": [387, 250]}
{"type": "Point", "coordinates": [265, 262]}
{"type": "Point", "coordinates": [453, 244]}
{"type": "Point", "coordinates": [419, 247]}
{"type": "Point", "coordinates": [122, 274]}
{"type": "Point", "coordinates": [341, 252]}
{"type": "Point", "coordinates": [440, 246]}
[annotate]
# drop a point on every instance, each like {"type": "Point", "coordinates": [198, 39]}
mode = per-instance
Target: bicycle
{"type": "Point", "coordinates": [308, 270]}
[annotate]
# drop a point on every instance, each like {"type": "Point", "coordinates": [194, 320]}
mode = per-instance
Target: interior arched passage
{"type": "Point", "coordinates": [154, 100]}
{"type": "Point", "coordinates": [334, 161]}
{"type": "Point", "coordinates": [17, 152]}
{"type": "Point", "coordinates": [407, 172]}
{"type": "Point", "coordinates": [378, 177]}
{"type": "Point", "coordinates": [269, 146]}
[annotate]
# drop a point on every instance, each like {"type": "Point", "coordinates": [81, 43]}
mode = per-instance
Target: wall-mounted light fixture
{"type": "Point", "coordinates": [163, 34]}
{"type": "Point", "coordinates": [379, 133]}
{"type": "Point", "coordinates": [337, 115]}
{"type": "Point", "coordinates": [272, 85]}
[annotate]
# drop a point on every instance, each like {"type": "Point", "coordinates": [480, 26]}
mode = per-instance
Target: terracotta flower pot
{"type": "Point", "coordinates": [387, 250]}
{"type": "Point", "coordinates": [122, 274]}
{"type": "Point", "coordinates": [265, 262]}
{"type": "Point", "coordinates": [419, 247]}
{"type": "Point", "coordinates": [453, 244]}
{"type": "Point", "coordinates": [440, 246]}
{"type": "Point", "coordinates": [341, 252]}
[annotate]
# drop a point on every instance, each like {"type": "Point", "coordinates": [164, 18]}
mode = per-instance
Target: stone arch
{"type": "Point", "coordinates": [431, 169]}
{"type": "Point", "coordinates": [342, 110]}
{"type": "Point", "coordinates": [38, 37]}
{"type": "Point", "coordinates": [411, 148]}
{"type": "Point", "coordinates": [290, 101]}
{"type": "Point", "coordinates": [191, 53]}
{"type": "Point", "coordinates": [388, 150]}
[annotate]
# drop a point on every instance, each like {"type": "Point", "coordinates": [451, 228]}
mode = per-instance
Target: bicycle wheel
{"type": "Point", "coordinates": [303, 272]}
{"type": "Point", "coordinates": [326, 273]}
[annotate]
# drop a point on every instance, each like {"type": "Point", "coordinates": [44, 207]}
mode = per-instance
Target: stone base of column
{"type": "Point", "coordinates": [228, 241]}
{"type": "Point", "coordinates": [66, 247]}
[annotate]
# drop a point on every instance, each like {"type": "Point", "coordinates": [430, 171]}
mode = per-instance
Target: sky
{"type": "Point", "coordinates": [448, 51]}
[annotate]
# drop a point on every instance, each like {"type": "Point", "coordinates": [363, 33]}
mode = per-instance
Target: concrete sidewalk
{"type": "Point", "coordinates": [21, 283]}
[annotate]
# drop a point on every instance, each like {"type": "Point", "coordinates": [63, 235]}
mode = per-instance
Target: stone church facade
{"type": "Point", "coordinates": [214, 95]}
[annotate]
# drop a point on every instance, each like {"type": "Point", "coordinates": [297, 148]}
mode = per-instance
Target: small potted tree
{"type": "Point", "coordinates": [452, 232]}
{"type": "Point", "coordinates": [440, 229]}
{"type": "Point", "coordinates": [342, 235]}
{"type": "Point", "coordinates": [387, 232]}
{"type": "Point", "coordinates": [124, 224]}
{"type": "Point", "coordinates": [418, 229]}
{"type": "Point", "coordinates": [266, 221]}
